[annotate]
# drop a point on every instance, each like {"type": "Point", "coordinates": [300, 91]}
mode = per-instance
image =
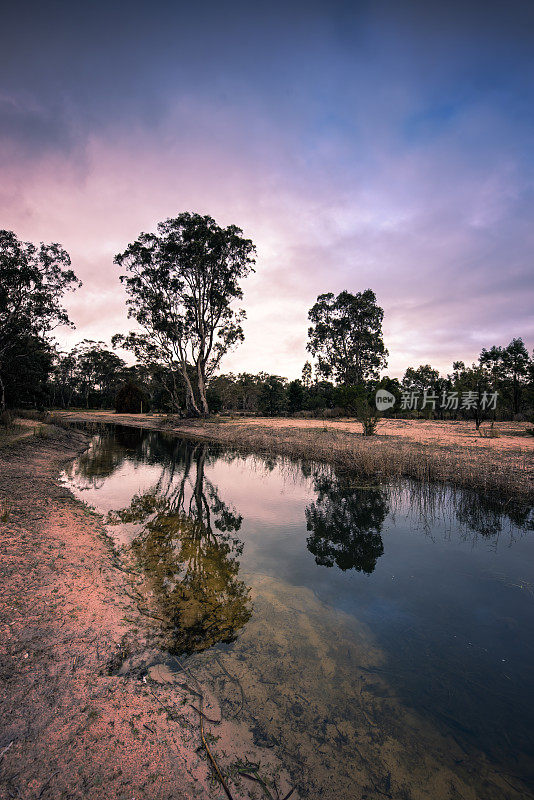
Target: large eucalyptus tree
{"type": "Point", "coordinates": [182, 283]}
{"type": "Point", "coordinates": [346, 337]}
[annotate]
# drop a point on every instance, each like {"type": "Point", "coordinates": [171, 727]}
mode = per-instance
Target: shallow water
{"type": "Point", "coordinates": [377, 637]}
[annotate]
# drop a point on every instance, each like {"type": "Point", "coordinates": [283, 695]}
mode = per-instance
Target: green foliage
{"type": "Point", "coordinates": [307, 375]}
{"type": "Point", "coordinates": [181, 284]}
{"type": "Point", "coordinates": [320, 396]}
{"type": "Point", "coordinates": [420, 379]}
{"type": "Point", "coordinates": [272, 397]}
{"type": "Point", "coordinates": [357, 402]}
{"type": "Point", "coordinates": [33, 281]}
{"type": "Point", "coordinates": [346, 337]}
{"type": "Point", "coordinates": [295, 396]}
{"type": "Point", "coordinates": [26, 367]}
{"type": "Point", "coordinates": [391, 385]}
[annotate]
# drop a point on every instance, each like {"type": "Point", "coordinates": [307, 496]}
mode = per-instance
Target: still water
{"type": "Point", "coordinates": [382, 633]}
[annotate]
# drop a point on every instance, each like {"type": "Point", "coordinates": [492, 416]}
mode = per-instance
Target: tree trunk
{"type": "Point", "coordinates": [202, 390]}
{"type": "Point", "coordinates": [516, 395]}
{"type": "Point", "coordinates": [2, 395]}
{"type": "Point", "coordinates": [190, 402]}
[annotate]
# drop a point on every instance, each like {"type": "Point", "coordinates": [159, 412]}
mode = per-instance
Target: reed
{"type": "Point", "coordinates": [510, 473]}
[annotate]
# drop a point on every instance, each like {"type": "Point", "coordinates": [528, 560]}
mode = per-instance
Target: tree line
{"type": "Point", "coordinates": [183, 286]}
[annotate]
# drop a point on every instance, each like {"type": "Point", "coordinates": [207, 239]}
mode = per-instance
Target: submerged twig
{"type": "Point", "coordinates": [6, 748]}
{"type": "Point", "coordinates": [235, 680]}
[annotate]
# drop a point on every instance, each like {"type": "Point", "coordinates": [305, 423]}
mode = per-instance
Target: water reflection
{"type": "Point", "coordinates": [403, 670]}
{"type": "Point", "coordinates": [188, 555]}
{"type": "Point", "coordinates": [346, 522]}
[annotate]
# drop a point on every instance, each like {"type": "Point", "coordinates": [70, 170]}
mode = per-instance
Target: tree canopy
{"type": "Point", "coordinates": [33, 280]}
{"type": "Point", "coordinates": [181, 284]}
{"type": "Point", "coordinates": [346, 337]}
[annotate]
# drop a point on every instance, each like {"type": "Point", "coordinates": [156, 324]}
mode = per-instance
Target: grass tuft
{"type": "Point", "coordinates": [5, 511]}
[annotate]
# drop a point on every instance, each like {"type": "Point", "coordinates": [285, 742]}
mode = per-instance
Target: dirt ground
{"type": "Point", "coordinates": [87, 711]}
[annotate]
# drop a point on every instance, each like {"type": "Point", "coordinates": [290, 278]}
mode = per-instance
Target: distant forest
{"type": "Point", "coordinates": [183, 285]}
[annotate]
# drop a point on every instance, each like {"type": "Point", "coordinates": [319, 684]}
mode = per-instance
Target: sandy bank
{"type": "Point", "coordinates": [75, 720]}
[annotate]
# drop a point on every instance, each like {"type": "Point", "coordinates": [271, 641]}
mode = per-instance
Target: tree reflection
{"type": "Point", "coordinates": [106, 454]}
{"type": "Point", "coordinates": [188, 551]}
{"type": "Point", "coordinates": [487, 515]}
{"type": "Point", "coordinates": [346, 522]}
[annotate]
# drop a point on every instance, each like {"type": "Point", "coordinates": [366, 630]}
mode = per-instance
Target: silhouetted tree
{"type": "Point", "coordinates": [131, 399]}
{"type": "Point", "coordinates": [346, 523]}
{"type": "Point", "coordinates": [272, 398]}
{"type": "Point", "coordinates": [307, 376]}
{"type": "Point", "coordinates": [33, 280]}
{"type": "Point", "coordinates": [516, 370]}
{"type": "Point", "coordinates": [295, 396]}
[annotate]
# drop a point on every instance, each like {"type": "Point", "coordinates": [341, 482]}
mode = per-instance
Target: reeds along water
{"type": "Point", "coordinates": [464, 466]}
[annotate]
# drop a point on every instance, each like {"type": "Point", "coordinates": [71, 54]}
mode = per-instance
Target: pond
{"type": "Point", "coordinates": [380, 634]}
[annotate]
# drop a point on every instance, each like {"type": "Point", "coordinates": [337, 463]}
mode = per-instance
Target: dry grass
{"type": "Point", "coordinates": [387, 457]}
{"type": "Point", "coordinates": [448, 452]}
{"type": "Point", "coordinates": [5, 511]}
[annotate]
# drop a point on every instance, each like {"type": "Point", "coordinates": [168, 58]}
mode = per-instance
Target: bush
{"type": "Point", "coordinates": [36, 416]}
{"type": "Point", "coordinates": [42, 432]}
{"type": "Point", "coordinates": [131, 399]}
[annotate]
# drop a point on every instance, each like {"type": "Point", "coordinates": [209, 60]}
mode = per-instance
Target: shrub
{"type": "Point", "coordinates": [57, 420]}
{"type": "Point", "coordinates": [131, 399]}
{"type": "Point", "coordinates": [42, 432]}
{"type": "Point", "coordinates": [36, 416]}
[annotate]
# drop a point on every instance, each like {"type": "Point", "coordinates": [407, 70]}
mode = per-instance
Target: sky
{"type": "Point", "coordinates": [382, 145]}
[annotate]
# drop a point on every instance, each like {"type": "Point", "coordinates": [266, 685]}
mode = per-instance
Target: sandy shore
{"type": "Point", "coordinates": [447, 451]}
{"type": "Point", "coordinates": [87, 711]}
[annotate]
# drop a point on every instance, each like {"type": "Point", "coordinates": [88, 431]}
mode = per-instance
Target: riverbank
{"type": "Point", "coordinates": [88, 710]}
{"type": "Point", "coordinates": [444, 451]}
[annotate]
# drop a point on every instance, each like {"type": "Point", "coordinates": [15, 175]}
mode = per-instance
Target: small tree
{"type": "Point", "coordinates": [272, 399]}
{"type": "Point", "coordinates": [516, 369]}
{"type": "Point", "coordinates": [307, 376]}
{"type": "Point", "coordinates": [356, 402]}
{"type": "Point", "coordinates": [295, 396]}
{"type": "Point", "coordinates": [473, 379]}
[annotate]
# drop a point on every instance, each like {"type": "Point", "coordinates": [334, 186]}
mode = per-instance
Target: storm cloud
{"type": "Point", "coordinates": [384, 145]}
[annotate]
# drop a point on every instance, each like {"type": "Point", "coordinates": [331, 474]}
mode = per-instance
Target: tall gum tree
{"type": "Point", "coordinates": [181, 284]}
